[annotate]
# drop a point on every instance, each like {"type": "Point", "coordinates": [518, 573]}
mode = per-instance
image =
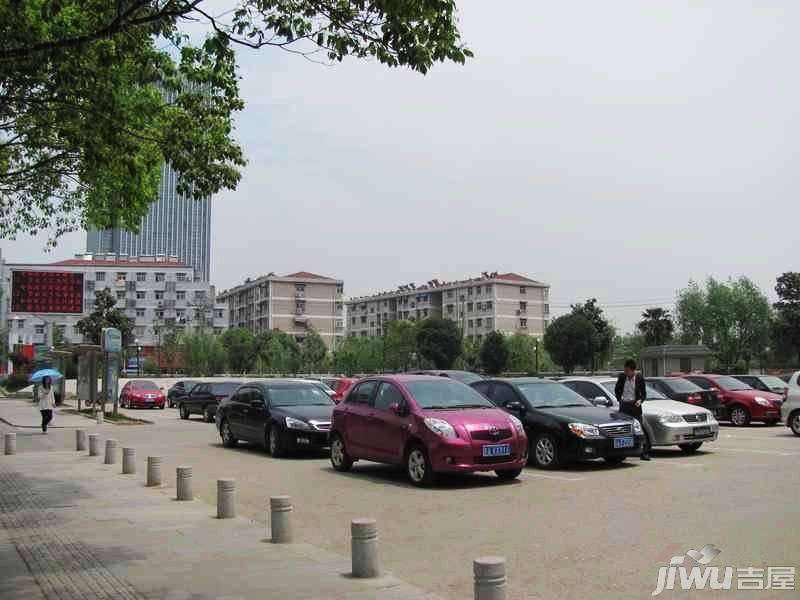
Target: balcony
{"type": "Point", "coordinates": [522, 311]}
{"type": "Point", "coordinates": [299, 294]}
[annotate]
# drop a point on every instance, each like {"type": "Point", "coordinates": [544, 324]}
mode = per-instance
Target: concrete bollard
{"type": "Point", "coordinates": [10, 443]}
{"type": "Point", "coordinates": [111, 452]}
{"type": "Point", "coordinates": [100, 416]}
{"type": "Point", "coordinates": [226, 498]}
{"type": "Point", "coordinates": [94, 444]}
{"type": "Point", "coordinates": [153, 471]}
{"type": "Point", "coordinates": [184, 483]}
{"type": "Point", "coordinates": [80, 440]}
{"type": "Point", "coordinates": [128, 461]}
{"type": "Point", "coordinates": [280, 509]}
{"type": "Point", "coordinates": [364, 547]}
{"type": "Point", "coordinates": [490, 578]}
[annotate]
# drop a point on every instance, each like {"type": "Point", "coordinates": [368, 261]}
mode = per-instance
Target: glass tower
{"type": "Point", "coordinates": [176, 226]}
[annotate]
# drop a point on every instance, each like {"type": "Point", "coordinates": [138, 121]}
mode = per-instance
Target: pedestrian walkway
{"type": "Point", "coordinates": [72, 527]}
{"type": "Point", "coordinates": [25, 413]}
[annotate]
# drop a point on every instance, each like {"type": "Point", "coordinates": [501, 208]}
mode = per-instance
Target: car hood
{"type": "Point", "coordinates": [307, 413]}
{"type": "Point", "coordinates": [594, 415]}
{"type": "Point", "coordinates": [663, 407]}
{"type": "Point", "coordinates": [469, 418]}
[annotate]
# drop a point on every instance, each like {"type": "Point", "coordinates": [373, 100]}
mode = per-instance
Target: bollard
{"type": "Point", "coordinates": [80, 440]}
{"type": "Point", "coordinates": [226, 498]}
{"type": "Point", "coordinates": [100, 416]}
{"type": "Point", "coordinates": [153, 471]}
{"type": "Point", "coordinates": [184, 483]}
{"type": "Point", "coordinates": [490, 578]}
{"type": "Point", "coordinates": [128, 461]}
{"type": "Point", "coordinates": [364, 547]}
{"type": "Point", "coordinates": [11, 443]}
{"type": "Point", "coordinates": [280, 508]}
{"type": "Point", "coordinates": [111, 452]}
{"type": "Point", "coordinates": [94, 444]}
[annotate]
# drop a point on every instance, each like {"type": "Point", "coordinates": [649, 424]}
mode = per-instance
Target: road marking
{"type": "Point", "coordinates": [772, 452]}
{"type": "Point", "coordinates": [558, 477]}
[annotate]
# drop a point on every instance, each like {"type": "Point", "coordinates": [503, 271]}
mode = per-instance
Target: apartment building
{"type": "Point", "coordinates": [294, 303]}
{"type": "Point", "coordinates": [505, 302]}
{"type": "Point", "coordinates": [153, 292]}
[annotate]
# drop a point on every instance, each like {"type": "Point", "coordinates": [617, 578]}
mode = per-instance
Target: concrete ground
{"type": "Point", "coordinates": [590, 530]}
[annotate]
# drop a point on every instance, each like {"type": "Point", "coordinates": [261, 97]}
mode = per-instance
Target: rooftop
{"type": "Point", "coordinates": [92, 262]}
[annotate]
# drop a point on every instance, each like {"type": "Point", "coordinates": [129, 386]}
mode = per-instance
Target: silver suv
{"type": "Point", "coordinates": [790, 411]}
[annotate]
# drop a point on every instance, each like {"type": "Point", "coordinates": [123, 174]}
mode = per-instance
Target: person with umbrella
{"type": "Point", "coordinates": [47, 397]}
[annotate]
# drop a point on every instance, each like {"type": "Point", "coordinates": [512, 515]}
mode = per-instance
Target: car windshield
{"type": "Point", "coordinates": [223, 389]}
{"type": "Point", "coordinates": [773, 382]}
{"type": "Point", "coordinates": [445, 393]}
{"type": "Point", "coordinates": [551, 395]}
{"type": "Point", "coordinates": [654, 394]}
{"type": "Point", "coordinates": [464, 376]}
{"type": "Point", "coordinates": [145, 385]}
{"type": "Point", "coordinates": [300, 395]}
{"type": "Point", "coordinates": [683, 386]}
{"type": "Point", "coordinates": [730, 383]}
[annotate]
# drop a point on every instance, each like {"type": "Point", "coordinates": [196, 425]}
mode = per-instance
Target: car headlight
{"type": "Point", "coordinates": [710, 418]}
{"type": "Point", "coordinates": [584, 430]}
{"type": "Point", "coordinates": [670, 418]}
{"type": "Point", "coordinates": [762, 401]}
{"type": "Point", "coordinates": [292, 423]}
{"type": "Point", "coordinates": [517, 424]}
{"type": "Point", "coordinates": [637, 427]}
{"type": "Point", "coordinates": [440, 427]}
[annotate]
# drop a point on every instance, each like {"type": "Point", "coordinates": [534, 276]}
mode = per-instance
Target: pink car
{"type": "Point", "coordinates": [428, 424]}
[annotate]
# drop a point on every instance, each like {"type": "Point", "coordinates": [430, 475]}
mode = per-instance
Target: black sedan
{"type": "Point", "coordinates": [561, 425]}
{"type": "Point", "coordinates": [683, 390]}
{"type": "Point", "coordinates": [284, 416]}
{"type": "Point", "coordinates": [181, 388]}
{"type": "Point", "coordinates": [204, 399]}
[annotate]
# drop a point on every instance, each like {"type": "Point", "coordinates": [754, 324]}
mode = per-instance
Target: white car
{"type": "Point", "coordinates": [790, 411]}
{"type": "Point", "coordinates": [794, 381]}
{"type": "Point", "coordinates": [666, 422]}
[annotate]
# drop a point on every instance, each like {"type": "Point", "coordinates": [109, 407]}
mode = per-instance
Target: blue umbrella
{"type": "Point", "coordinates": [42, 373]}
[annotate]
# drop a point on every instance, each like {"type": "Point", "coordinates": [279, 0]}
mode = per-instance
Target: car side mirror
{"type": "Point", "coordinates": [600, 401]}
{"type": "Point", "coordinates": [515, 405]}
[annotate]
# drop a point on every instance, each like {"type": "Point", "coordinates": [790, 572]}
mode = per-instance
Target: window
{"type": "Point", "coordinates": [425, 312]}
{"type": "Point", "coordinates": [363, 334]}
{"type": "Point", "coordinates": [159, 295]}
{"type": "Point", "coordinates": [479, 322]}
{"type": "Point", "coordinates": [478, 290]}
{"type": "Point", "coordinates": [353, 320]}
{"type": "Point", "coordinates": [470, 323]}
{"type": "Point", "coordinates": [523, 306]}
{"type": "Point", "coordinates": [141, 277]}
{"type": "Point", "coordinates": [469, 291]}
{"type": "Point", "coordinates": [199, 294]}
{"type": "Point", "coordinates": [141, 295]}
{"type": "Point", "coordinates": [139, 330]}
{"type": "Point", "coordinates": [482, 387]}
{"type": "Point", "coordinates": [489, 323]}
{"type": "Point", "coordinates": [363, 319]}
{"type": "Point", "coordinates": [523, 289]}
{"type": "Point", "coordinates": [701, 381]}
{"type": "Point", "coordinates": [180, 295]}
{"type": "Point", "coordinates": [449, 309]}
{"type": "Point", "coordinates": [523, 323]}
{"type": "Point", "coordinates": [100, 276]}
{"type": "Point", "coordinates": [449, 293]}
{"type": "Point", "coordinates": [340, 289]}
{"type": "Point", "coordinates": [469, 306]}
{"type": "Point", "coordinates": [76, 330]}
{"type": "Point", "coordinates": [180, 276]}
{"type": "Point", "coordinates": [488, 288]}
{"type": "Point", "coordinates": [90, 285]}
{"type": "Point", "coordinates": [479, 338]}
{"type": "Point", "coordinates": [159, 314]}
{"type": "Point", "coordinates": [180, 313]}
{"type": "Point", "coordinates": [38, 329]}
{"type": "Point", "coordinates": [20, 323]}
{"type": "Point", "coordinates": [362, 393]}
{"type": "Point", "coordinates": [546, 309]}
{"type": "Point", "coordinates": [217, 330]}
{"type": "Point", "coordinates": [218, 314]}
{"type": "Point", "coordinates": [160, 276]}
{"type": "Point", "coordinates": [140, 312]}
{"type": "Point", "coordinates": [120, 295]}
{"type": "Point", "coordinates": [122, 276]}
{"type": "Point", "coordinates": [686, 364]}
{"type": "Point", "coordinates": [488, 306]}
{"type": "Point", "coordinates": [388, 394]}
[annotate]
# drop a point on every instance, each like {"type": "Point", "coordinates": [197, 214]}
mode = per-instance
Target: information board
{"type": "Point", "coordinates": [46, 292]}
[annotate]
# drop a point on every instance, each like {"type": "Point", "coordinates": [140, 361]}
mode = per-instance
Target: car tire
{"type": "Point", "coordinates": [615, 460]}
{"type": "Point", "coordinates": [275, 443]}
{"type": "Point", "coordinates": [184, 411]}
{"type": "Point", "coordinates": [340, 459]}
{"type": "Point", "coordinates": [691, 447]}
{"type": "Point", "coordinates": [740, 416]}
{"type": "Point", "coordinates": [418, 466]}
{"type": "Point", "coordinates": [208, 416]}
{"type": "Point", "coordinates": [545, 452]}
{"type": "Point", "coordinates": [508, 474]}
{"type": "Point", "coordinates": [794, 422]}
{"type": "Point", "coordinates": [225, 432]}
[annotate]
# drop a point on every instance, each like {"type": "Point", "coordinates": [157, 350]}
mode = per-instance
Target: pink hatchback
{"type": "Point", "coordinates": [429, 424]}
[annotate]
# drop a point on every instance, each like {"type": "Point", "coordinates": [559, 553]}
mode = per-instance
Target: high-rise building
{"type": "Point", "coordinates": [176, 227]}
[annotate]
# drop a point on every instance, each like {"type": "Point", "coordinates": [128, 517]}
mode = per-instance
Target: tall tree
{"type": "Point", "coordinates": [105, 314]}
{"type": "Point", "coordinates": [522, 353]}
{"type": "Point", "coordinates": [786, 324]}
{"type": "Point", "coordinates": [239, 346]}
{"type": "Point", "coordinates": [202, 353]}
{"type": "Point", "coordinates": [439, 341]}
{"type": "Point", "coordinates": [94, 95]}
{"type": "Point", "coordinates": [399, 345]}
{"type": "Point", "coordinates": [283, 353]}
{"type": "Point", "coordinates": [604, 331]}
{"type": "Point", "coordinates": [313, 351]}
{"type": "Point", "coordinates": [569, 341]}
{"type": "Point", "coordinates": [656, 326]}
{"type": "Point", "coordinates": [732, 318]}
{"type": "Point", "coordinates": [494, 353]}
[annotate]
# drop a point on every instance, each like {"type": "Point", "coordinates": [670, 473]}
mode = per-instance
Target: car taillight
{"type": "Point", "coordinates": [220, 398]}
{"type": "Point", "coordinates": [695, 399]}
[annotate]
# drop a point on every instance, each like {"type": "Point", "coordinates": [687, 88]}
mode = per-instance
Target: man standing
{"type": "Point", "coordinates": [631, 392]}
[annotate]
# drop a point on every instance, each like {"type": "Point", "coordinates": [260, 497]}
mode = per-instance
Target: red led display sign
{"type": "Point", "coordinates": [47, 292]}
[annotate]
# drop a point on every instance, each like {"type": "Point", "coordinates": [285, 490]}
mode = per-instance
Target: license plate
{"type": "Point", "coordinates": [496, 450]}
{"type": "Point", "coordinates": [623, 442]}
{"type": "Point", "coordinates": [702, 430]}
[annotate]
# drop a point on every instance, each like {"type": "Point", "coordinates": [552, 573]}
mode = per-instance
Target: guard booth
{"type": "Point", "coordinates": [88, 356]}
{"type": "Point", "coordinates": [58, 358]}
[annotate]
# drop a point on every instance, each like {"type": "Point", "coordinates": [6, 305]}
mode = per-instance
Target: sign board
{"type": "Point", "coordinates": [111, 340]}
{"type": "Point", "coordinates": [46, 292]}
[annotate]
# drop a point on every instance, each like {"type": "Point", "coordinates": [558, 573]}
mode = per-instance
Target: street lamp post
{"type": "Point", "coordinates": [138, 358]}
{"type": "Point", "coordinates": [536, 350]}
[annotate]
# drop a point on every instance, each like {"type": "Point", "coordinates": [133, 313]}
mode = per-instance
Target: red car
{"type": "Point", "coordinates": [430, 425]}
{"type": "Point", "coordinates": [741, 403]}
{"type": "Point", "coordinates": [142, 394]}
{"type": "Point", "coordinates": [340, 386]}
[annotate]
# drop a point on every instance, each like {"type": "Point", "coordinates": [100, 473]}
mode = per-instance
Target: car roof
{"type": "Point", "coordinates": [513, 380]}
{"type": "Point", "coordinates": [407, 377]}
{"type": "Point", "coordinates": [594, 378]}
{"type": "Point", "coordinates": [280, 382]}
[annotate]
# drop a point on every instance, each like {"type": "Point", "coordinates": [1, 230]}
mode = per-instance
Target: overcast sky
{"type": "Point", "coordinates": [613, 149]}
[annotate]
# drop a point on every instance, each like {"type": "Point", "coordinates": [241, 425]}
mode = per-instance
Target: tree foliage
{"type": "Point", "coordinates": [785, 327]}
{"type": "Point", "coordinates": [522, 353]}
{"type": "Point", "coordinates": [202, 353]}
{"type": "Point", "coordinates": [494, 353]}
{"type": "Point", "coordinates": [95, 95]}
{"type": "Point", "coordinates": [105, 314]}
{"type": "Point", "coordinates": [656, 326]}
{"type": "Point", "coordinates": [359, 355]}
{"type": "Point", "coordinates": [282, 354]}
{"type": "Point", "coordinates": [604, 331]}
{"type": "Point", "coordinates": [313, 351]}
{"type": "Point", "coordinates": [399, 345]}
{"type": "Point", "coordinates": [569, 340]}
{"type": "Point", "coordinates": [732, 318]}
{"type": "Point", "coordinates": [439, 341]}
{"type": "Point", "coordinates": [239, 347]}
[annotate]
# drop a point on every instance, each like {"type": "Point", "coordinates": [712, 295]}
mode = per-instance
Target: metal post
{"type": "Point", "coordinates": [153, 471]}
{"type": "Point", "coordinates": [80, 440]}
{"type": "Point", "coordinates": [490, 578]}
{"type": "Point", "coordinates": [128, 461]}
{"type": "Point", "coordinates": [111, 452]}
{"type": "Point", "coordinates": [364, 547]}
{"type": "Point", "coordinates": [280, 508]}
{"type": "Point", "coordinates": [184, 483]}
{"type": "Point", "coordinates": [99, 414]}
{"type": "Point", "coordinates": [10, 443]}
{"type": "Point", "coordinates": [226, 498]}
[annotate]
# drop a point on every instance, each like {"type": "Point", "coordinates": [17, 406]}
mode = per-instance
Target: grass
{"type": "Point", "coordinates": [118, 419]}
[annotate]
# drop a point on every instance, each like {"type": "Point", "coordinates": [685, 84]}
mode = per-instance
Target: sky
{"type": "Point", "coordinates": [612, 149]}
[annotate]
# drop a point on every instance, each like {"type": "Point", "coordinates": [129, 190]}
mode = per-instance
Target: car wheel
{"type": "Point", "coordinates": [508, 474]}
{"type": "Point", "coordinates": [794, 422]}
{"type": "Point", "coordinates": [228, 440]}
{"type": "Point", "coordinates": [340, 460]}
{"type": "Point", "coordinates": [615, 460]}
{"type": "Point", "coordinates": [209, 416]}
{"type": "Point", "coordinates": [740, 416]}
{"type": "Point", "coordinates": [692, 447]}
{"type": "Point", "coordinates": [545, 451]}
{"type": "Point", "coordinates": [184, 411]}
{"type": "Point", "coordinates": [275, 444]}
{"type": "Point", "coordinates": [418, 466]}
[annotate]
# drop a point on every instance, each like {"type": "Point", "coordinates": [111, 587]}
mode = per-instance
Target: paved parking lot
{"type": "Point", "coordinates": [591, 530]}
